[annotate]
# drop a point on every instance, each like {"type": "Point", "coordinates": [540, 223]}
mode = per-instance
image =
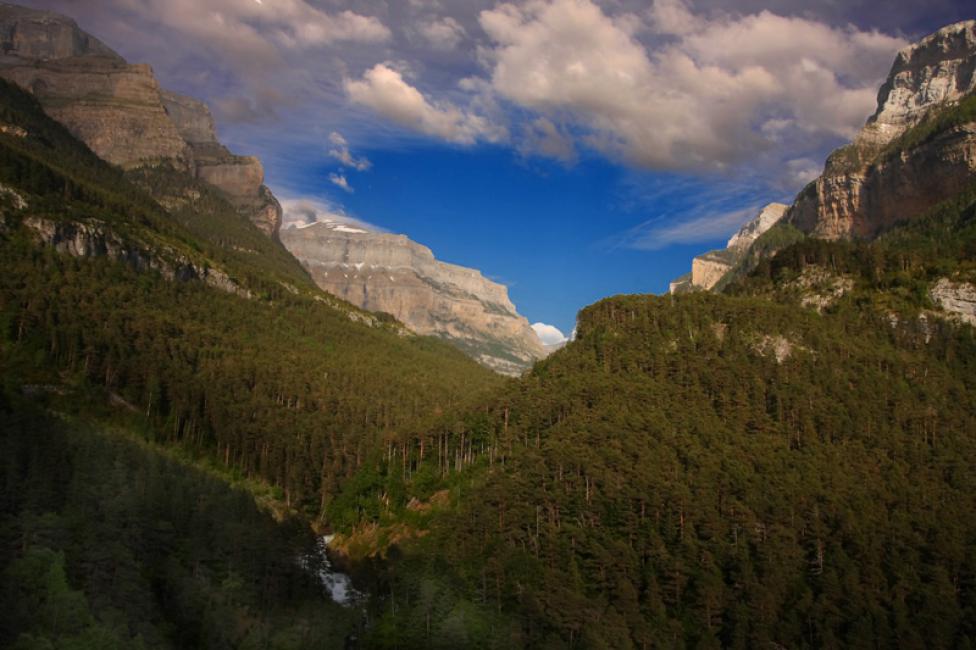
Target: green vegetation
{"type": "Point", "coordinates": [710, 471]}
{"type": "Point", "coordinates": [285, 386]}
{"type": "Point", "coordinates": [700, 470]}
{"type": "Point", "coordinates": [935, 123]}
{"type": "Point", "coordinates": [769, 243]}
{"type": "Point", "coordinates": [893, 271]}
{"type": "Point", "coordinates": [106, 544]}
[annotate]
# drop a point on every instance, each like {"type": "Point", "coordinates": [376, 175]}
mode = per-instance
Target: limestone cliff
{"type": "Point", "coordinates": [392, 274]}
{"type": "Point", "coordinates": [885, 175]}
{"type": "Point", "coordinates": [708, 269]}
{"type": "Point", "coordinates": [120, 111]}
{"type": "Point", "coordinates": [240, 177]}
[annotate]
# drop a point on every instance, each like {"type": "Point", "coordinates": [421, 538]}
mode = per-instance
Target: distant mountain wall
{"type": "Point", "coordinates": [392, 274]}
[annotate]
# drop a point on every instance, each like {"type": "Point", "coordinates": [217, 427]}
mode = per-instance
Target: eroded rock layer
{"type": "Point", "coordinates": [392, 274]}
{"type": "Point", "coordinates": [880, 179]}
{"type": "Point", "coordinates": [120, 111]}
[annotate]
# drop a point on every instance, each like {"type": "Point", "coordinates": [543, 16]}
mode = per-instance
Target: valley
{"type": "Point", "coordinates": [219, 430]}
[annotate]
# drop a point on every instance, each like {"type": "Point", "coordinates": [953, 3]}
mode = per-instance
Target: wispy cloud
{"type": "Point", "coordinates": [339, 180]}
{"type": "Point", "coordinates": [308, 210]}
{"type": "Point", "coordinates": [340, 151]}
{"type": "Point", "coordinates": [686, 209]}
{"type": "Point", "coordinates": [661, 233]}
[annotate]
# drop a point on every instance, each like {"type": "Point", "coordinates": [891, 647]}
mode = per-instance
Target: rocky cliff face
{"type": "Point", "coordinates": [120, 111]}
{"type": "Point", "coordinates": [392, 274]}
{"type": "Point", "coordinates": [707, 270]}
{"type": "Point", "coordinates": [881, 179]}
{"type": "Point", "coordinates": [240, 177]}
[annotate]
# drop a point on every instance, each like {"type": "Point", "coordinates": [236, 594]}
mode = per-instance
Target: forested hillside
{"type": "Point", "coordinates": [106, 543]}
{"type": "Point", "coordinates": [191, 318]}
{"type": "Point", "coordinates": [181, 316]}
{"type": "Point", "coordinates": [745, 470]}
{"type": "Point", "coordinates": [784, 464]}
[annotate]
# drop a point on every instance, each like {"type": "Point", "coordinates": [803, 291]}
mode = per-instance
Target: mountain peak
{"type": "Point", "coordinates": [393, 274]}
{"type": "Point", "coordinates": [937, 70]}
{"type": "Point", "coordinates": [120, 111]}
{"type": "Point", "coordinates": [44, 35]}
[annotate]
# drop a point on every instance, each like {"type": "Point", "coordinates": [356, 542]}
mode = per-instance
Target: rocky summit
{"type": "Point", "coordinates": [884, 176]}
{"type": "Point", "coordinates": [916, 150]}
{"type": "Point", "coordinates": [392, 274]}
{"type": "Point", "coordinates": [708, 269]}
{"type": "Point", "coordinates": [120, 111]}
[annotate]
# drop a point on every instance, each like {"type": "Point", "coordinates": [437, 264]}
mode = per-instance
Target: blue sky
{"type": "Point", "coordinates": [571, 149]}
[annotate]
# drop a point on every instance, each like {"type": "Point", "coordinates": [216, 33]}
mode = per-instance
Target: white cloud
{"type": "Point", "coordinates": [340, 151]}
{"type": "Point", "coordinates": [698, 97]}
{"type": "Point", "coordinates": [252, 30]}
{"type": "Point", "coordinates": [542, 137]}
{"type": "Point", "coordinates": [803, 170]}
{"type": "Point", "coordinates": [340, 181]}
{"type": "Point", "coordinates": [443, 33]}
{"type": "Point", "coordinates": [384, 90]}
{"type": "Point", "coordinates": [707, 227]}
{"type": "Point", "coordinates": [306, 211]}
{"type": "Point", "coordinates": [549, 334]}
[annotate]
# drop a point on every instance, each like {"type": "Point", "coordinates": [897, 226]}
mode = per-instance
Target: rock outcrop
{"type": "Point", "coordinates": [956, 298]}
{"type": "Point", "coordinates": [240, 177]}
{"type": "Point", "coordinates": [708, 269]}
{"type": "Point", "coordinates": [120, 111]}
{"type": "Point", "coordinates": [92, 239]}
{"type": "Point", "coordinates": [392, 274]}
{"type": "Point", "coordinates": [880, 178]}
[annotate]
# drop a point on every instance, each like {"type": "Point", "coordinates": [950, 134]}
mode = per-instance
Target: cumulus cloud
{"type": "Point", "coordinates": [383, 89]}
{"type": "Point", "coordinates": [701, 95]}
{"type": "Point", "coordinates": [542, 137]}
{"type": "Point", "coordinates": [252, 27]}
{"type": "Point", "coordinates": [444, 33]}
{"type": "Point", "coordinates": [340, 180]}
{"type": "Point", "coordinates": [550, 335]}
{"type": "Point", "coordinates": [306, 211]}
{"type": "Point", "coordinates": [340, 151]}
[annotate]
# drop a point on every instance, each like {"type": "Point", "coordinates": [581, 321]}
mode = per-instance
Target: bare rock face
{"type": "Point", "coordinates": [875, 182]}
{"type": "Point", "coordinates": [768, 217]}
{"type": "Point", "coordinates": [113, 108]}
{"type": "Point", "coordinates": [707, 270]}
{"type": "Point", "coordinates": [956, 298]}
{"type": "Point", "coordinates": [392, 274]}
{"type": "Point", "coordinates": [42, 35]}
{"type": "Point", "coordinates": [240, 177]}
{"type": "Point", "coordinates": [120, 111]}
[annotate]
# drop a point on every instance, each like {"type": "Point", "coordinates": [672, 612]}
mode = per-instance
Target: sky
{"type": "Point", "coordinates": [570, 149]}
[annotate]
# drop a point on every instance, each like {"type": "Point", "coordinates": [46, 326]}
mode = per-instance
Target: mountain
{"type": "Point", "coordinates": [786, 462]}
{"type": "Point", "coordinates": [392, 274]}
{"type": "Point", "coordinates": [918, 148]}
{"type": "Point", "coordinates": [184, 310]}
{"type": "Point", "coordinates": [709, 268]}
{"type": "Point", "coordinates": [782, 461]}
{"type": "Point", "coordinates": [120, 111]}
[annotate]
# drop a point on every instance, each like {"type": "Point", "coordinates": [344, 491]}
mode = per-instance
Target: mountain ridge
{"type": "Point", "coordinates": [393, 274]}
{"type": "Point", "coordinates": [907, 158]}
{"type": "Point", "coordinates": [120, 110]}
